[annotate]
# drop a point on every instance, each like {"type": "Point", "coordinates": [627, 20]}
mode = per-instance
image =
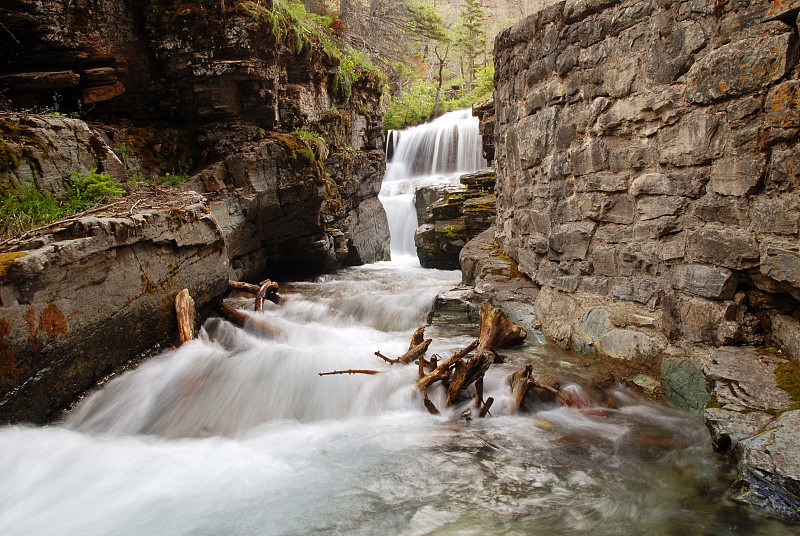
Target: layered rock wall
{"type": "Point", "coordinates": [212, 90]}
{"type": "Point", "coordinates": [647, 177]}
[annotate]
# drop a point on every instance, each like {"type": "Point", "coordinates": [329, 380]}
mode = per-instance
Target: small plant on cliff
{"type": "Point", "coordinates": [25, 208]}
{"type": "Point", "coordinates": [314, 143]}
{"type": "Point", "coordinates": [89, 189]}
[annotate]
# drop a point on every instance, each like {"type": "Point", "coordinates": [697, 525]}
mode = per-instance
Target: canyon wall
{"type": "Point", "coordinates": [212, 91]}
{"type": "Point", "coordinates": [647, 179]}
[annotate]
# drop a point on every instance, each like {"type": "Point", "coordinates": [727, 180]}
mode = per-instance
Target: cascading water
{"type": "Point", "coordinates": [435, 153]}
{"type": "Point", "coordinates": [236, 434]}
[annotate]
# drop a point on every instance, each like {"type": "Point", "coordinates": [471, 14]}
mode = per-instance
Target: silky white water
{"type": "Point", "coordinates": [432, 154]}
{"type": "Point", "coordinates": [237, 434]}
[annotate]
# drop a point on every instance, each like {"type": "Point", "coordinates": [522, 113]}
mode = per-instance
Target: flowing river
{"type": "Point", "coordinates": [237, 434]}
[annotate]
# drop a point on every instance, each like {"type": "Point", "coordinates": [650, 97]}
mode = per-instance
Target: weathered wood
{"type": "Point", "coordinates": [479, 392]}
{"type": "Point", "coordinates": [497, 330]}
{"type": "Point", "coordinates": [418, 337]}
{"type": "Point", "coordinates": [415, 352]}
{"type": "Point", "coordinates": [245, 321]}
{"type": "Point", "coordinates": [485, 409]}
{"type": "Point", "coordinates": [269, 291]}
{"type": "Point", "coordinates": [430, 407]}
{"type": "Point", "coordinates": [422, 364]}
{"type": "Point", "coordinates": [521, 382]}
{"type": "Point", "coordinates": [184, 307]}
{"type": "Point", "coordinates": [349, 371]}
{"type": "Point", "coordinates": [391, 361]}
{"type": "Point", "coordinates": [472, 371]}
{"type": "Point", "coordinates": [247, 287]}
{"type": "Point", "coordinates": [440, 372]}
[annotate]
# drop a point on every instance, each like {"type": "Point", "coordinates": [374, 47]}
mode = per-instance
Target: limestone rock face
{"type": "Point", "coordinates": [81, 301]}
{"type": "Point", "coordinates": [742, 421]}
{"type": "Point", "coordinates": [647, 176]}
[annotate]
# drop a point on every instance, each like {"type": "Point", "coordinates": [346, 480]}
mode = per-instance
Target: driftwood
{"type": "Point", "coordinates": [417, 338]}
{"type": "Point", "coordinates": [349, 371]}
{"type": "Point", "coordinates": [266, 290]}
{"type": "Point", "coordinates": [390, 361]}
{"type": "Point", "coordinates": [523, 381]}
{"type": "Point", "coordinates": [415, 352]}
{"type": "Point", "coordinates": [440, 372]}
{"type": "Point", "coordinates": [184, 307]}
{"type": "Point", "coordinates": [243, 320]}
{"type": "Point", "coordinates": [485, 408]}
{"type": "Point", "coordinates": [269, 291]}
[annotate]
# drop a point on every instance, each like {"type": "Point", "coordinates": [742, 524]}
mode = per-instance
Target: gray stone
{"type": "Point", "coordinates": [738, 68]}
{"type": "Point", "coordinates": [778, 216]}
{"type": "Point", "coordinates": [610, 208]}
{"type": "Point", "coordinates": [644, 291]}
{"type": "Point", "coordinates": [781, 265]}
{"type": "Point", "coordinates": [693, 140]}
{"type": "Point", "coordinates": [570, 241]}
{"type": "Point", "coordinates": [630, 345]}
{"type": "Point", "coordinates": [738, 175]}
{"type": "Point", "coordinates": [782, 106]}
{"type": "Point", "coordinates": [536, 136]}
{"type": "Point", "coordinates": [732, 249]}
{"type": "Point", "coordinates": [707, 281]}
{"type": "Point", "coordinates": [652, 207]}
{"type": "Point", "coordinates": [457, 306]}
{"type": "Point", "coordinates": [549, 274]}
{"type": "Point", "coordinates": [769, 469]}
{"type": "Point", "coordinates": [732, 210]}
{"type": "Point", "coordinates": [595, 322]}
{"type": "Point", "coordinates": [785, 334]}
{"type": "Point", "coordinates": [683, 383]}
{"type": "Point", "coordinates": [744, 379]}
{"type": "Point", "coordinates": [709, 322]}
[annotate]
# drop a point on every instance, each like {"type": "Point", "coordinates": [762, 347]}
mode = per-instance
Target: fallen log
{"type": "Point", "coordinates": [184, 307]}
{"type": "Point", "coordinates": [521, 382]}
{"type": "Point", "coordinates": [266, 290]}
{"type": "Point", "coordinates": [465, 374]}
{"type": "Point", "coordinates": [349, 371]}
{"type": "Point", "coordinates": [245, 321]}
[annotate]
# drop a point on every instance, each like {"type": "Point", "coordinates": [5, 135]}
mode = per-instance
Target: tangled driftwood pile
{"type": "Point", "coordinates": [466, 367]}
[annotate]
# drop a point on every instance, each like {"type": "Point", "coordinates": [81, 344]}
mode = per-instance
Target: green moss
{"type": "Point", "coordinates": [452, 232]}
{"type": "Point", "coordinates": [19, 143]}
{"type": "Point", "coordinates": [7, 259]}
{"type": "Point", "coordinates": [787, 376]}
{"type": "Point", "coordinates": [713, 402]}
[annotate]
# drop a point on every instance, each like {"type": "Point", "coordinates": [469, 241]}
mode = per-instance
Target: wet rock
{"type": "Point", "coordinates": [682, 381]}
{"type": "Point", "coordinates": [741, 416]}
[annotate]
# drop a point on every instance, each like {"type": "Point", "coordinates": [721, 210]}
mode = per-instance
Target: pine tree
{"type": "Point", "coordinates": [471, 39]}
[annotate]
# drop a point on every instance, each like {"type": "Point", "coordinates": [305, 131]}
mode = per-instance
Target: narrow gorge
{"type": "Point", "coordinates": [628, 198]}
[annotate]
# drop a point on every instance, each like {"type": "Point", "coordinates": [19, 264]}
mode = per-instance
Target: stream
{"type": "Point", "coordinates": [237, 434]}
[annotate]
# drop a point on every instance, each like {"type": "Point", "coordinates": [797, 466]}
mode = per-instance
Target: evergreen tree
{"type": "Point", "coordinates": [471, 39]}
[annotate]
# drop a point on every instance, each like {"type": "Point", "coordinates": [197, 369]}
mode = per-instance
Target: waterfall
{"type": "Point", "coordinates": [235, 432]}
{"type": "Point", "coordinates": [434, 153]}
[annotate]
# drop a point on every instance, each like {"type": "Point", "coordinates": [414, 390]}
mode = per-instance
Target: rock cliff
{"type": "Point", "coordinates": [281, 144]}
{"type": "Point", "coordinates": [647, 178]}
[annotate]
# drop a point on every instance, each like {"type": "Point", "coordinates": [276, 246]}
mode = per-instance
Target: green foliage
{"type": "Point", "coordinates": [415, 106]}
{"type": "Point", "coordinates": [89, 189]}
{"type": "Point", "coordinates": [312, 32]}
{"type": "Point", "coordinates": [175, 179]}
{"type": "Point", "coordinates": [471, 37]}
{"type": "Point", "coordinates": [26, 208]}
{"type": "Point", "coordinates": [315, 145]}
{"type": "Point", "coordinates": [427, 22]}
